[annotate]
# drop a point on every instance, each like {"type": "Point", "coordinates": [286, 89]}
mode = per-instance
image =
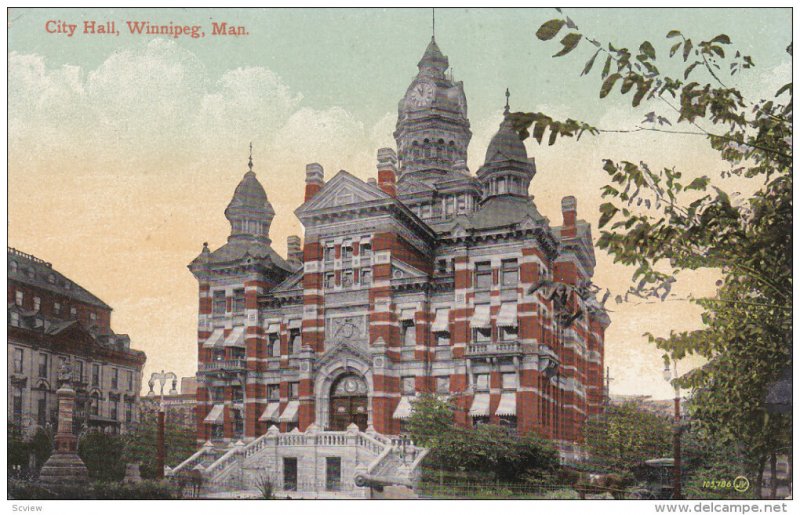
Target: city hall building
{"type": "Point", "coordinates": [427, 278]}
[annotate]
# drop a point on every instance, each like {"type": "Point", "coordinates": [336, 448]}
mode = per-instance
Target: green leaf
{"type": "Point", "coordinates": [589, 64]}
{"type": "Point", "coordinates": [699, 184]}
{"type": "Point", "coordinates": [538, 130]}
{"type": "Point", "coordinates": [675, 48]}
{"type": "Point", "coordinates": [687, 47]}
{"type": "Point", "coordinates": [641, 90]}
{"type": "Point", "coordinates": [607, 67]}
{"type": "Point", "coordinates": [689, 69]}
{"type": "Point", "coordinates": [608, 84]}
{"type": "Point", "coordinates": [647, 49]}
{"type": "Point", "coordinates": [607, 210]}
{"type": "Point", "coordinates": [722, 39]}
{"type": "Point", "coordinates": [673, 33]}
{"type": "Point", "coordinates": [570, 41]}
{"type": "Point", "coordinates": [549, 29]}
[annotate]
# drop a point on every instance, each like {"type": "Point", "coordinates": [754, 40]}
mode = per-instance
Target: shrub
{"type": "Point", "coordinates": [102, 454]}
{"type": "Point", "coordinates": [108, 490]}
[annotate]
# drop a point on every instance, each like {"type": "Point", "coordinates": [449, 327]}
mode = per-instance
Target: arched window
{"type": "Point", "coordinates": [13, 267]}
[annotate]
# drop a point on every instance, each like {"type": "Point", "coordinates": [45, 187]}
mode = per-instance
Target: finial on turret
{"type": "Point", "coordinates": [250, 161]}
{"type": "Point", "coordinates": [433, 23]}
{"type": "Point", "coordinates": [508, 109]}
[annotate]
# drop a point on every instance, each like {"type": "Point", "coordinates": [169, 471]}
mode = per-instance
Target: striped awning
{"type": "Point", "coordinates": [481, 319]}
{"type": "Point", "coordinates": [236, 337]}
{"type": "Point", "coordinates": [407, 314]}
{"type": "Point", "coordinates": [480, 405]}
{"type": "Point", "coordinates": [508, 315]}
{"type": "Point", "coordinates": [271, 413]}
{"type": "Point", "coordinates": [215, 339]}
{"type": "Point", "coordinates": [290, 412]}
{"type": "Point", "coordinates": [440, 323]}
{"type": "Point", "coordinates": [274, 328]}
{"type": "Point", "coordinates": [403, 410]}
{"type": "Point", "coordinates": [295, 323]}
{"type": "Point", "coordinates": [508, 405]}
{"type": "Point", "coordinates": [216, 415]}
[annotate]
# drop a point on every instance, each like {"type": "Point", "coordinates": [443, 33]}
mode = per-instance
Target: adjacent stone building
{"type": "Point", "coordinates": [52, 319]}
{"type": "Point", "coordinates": [428, 278]}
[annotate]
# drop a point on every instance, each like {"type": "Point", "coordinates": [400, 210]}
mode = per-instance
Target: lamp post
{"type": "Point", "coordinates": [162, 378]}
{"type": "Point", "coordinates": [670, 375]}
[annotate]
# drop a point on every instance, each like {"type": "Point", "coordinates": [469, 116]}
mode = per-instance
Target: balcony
{"type": "Point", "coordinates": [223, 365]}
{"type": "Point", "coordinates": [493, 349]}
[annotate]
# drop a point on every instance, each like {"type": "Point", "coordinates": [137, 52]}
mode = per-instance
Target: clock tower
{"type": "Point", "coordinates": [432, 127]}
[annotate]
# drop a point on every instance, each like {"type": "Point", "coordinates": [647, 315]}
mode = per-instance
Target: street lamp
{"type": "Point", "coordinates": [670, 375]}
{"type": "Point", "coordinates": [162, 378]}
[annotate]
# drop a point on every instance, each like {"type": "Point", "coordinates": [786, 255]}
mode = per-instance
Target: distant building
{"type": "Point", "coordinates": [179, 408]}
{"type": "Point", "coordinates": [52, 319]}
{"type": "Point", "coordinates": [663, 407]}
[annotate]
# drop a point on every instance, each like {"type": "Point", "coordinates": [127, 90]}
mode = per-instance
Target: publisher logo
{"type": "Point", "coordinates": [741, 484]}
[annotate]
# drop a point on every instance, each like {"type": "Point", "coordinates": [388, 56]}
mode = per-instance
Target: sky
{"type": "Point", "coordinates": [124, 150]}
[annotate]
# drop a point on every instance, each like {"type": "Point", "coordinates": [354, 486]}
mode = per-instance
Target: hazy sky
{"type": "Point", "coordinates": [124, 150]}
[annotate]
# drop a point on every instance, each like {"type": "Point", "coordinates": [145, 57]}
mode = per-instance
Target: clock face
{"type": "Point", "coordinates": [422, 94]}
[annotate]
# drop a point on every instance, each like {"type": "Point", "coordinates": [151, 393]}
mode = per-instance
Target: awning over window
{"type": "Point", "coordinates": [508, 405]}
{"type": "Point", "coordinates": [440, 323]}
{"type": "Point", "coordinates": [403, 410]}
{"type": "Point", "coordinates": [215, 340]}
{"type": "Point", "coordinates": [271, 413]}
{"type": "Point", "coordinates": [290, 412]}
{"type": "Point", "coordinates": [295, 323]}
{"type": "Point", "coordinates": [481, 319]}
{"type": "Point", "coordinates": [215, 416]}
{"type": "Point", "coordinates": [236, 337]}
{"type": "Point", "coordinates": [274, 328]}
{"type": "Point", "coordinates": [407, 314]}
{"type": "Point", "coordinates": [480, 405]}
{"type": "Point", "coordinates": [508, 315]}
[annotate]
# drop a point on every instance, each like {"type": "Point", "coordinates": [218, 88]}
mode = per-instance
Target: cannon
{"type": "Point", "coordinates": [378, 483]}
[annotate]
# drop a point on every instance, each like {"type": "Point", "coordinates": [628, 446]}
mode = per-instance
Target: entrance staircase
{"type": "Point", "coordinates": [368, 462]}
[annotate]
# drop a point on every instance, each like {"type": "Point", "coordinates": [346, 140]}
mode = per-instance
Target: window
{"type": "Point", "coordinates": [129, 375]}
{"type": "Point", "coordinates": [19, 355]}
{"type": "Point", "coordinates": [408, 386]}
{"type": "Point", "coordinates": [17, 405]}
{"type": "Point", "coordinates": [37, 303]}
{"type": "Point", "coordinates": [443, 339]}
{"type": "Point", "coordinates": [73, 312]}
{"type": "Point", "coordinates": [333, 473]}
{"type": "Point", "coordinates": [238, 424]}
{"type": "Point", "coordinates": [218, 306]}
{"type": "Point", "coordinates": [330, 280]}
{"type": "Point", "coordinates": [294, 390]}
{"type": "Point", "coordinates": [273, 392]}
{"type": "Point", "coordinates": [114, 378]}
{"type": "Point", "coordinates": [95, 374]}
{"type": "Point", "coordinates": [51, 278]}
{"type": "Point", "coordinates": [41, 411]}
{"type": "Point", "coordinates": [295, 340]}
{"type": "Point", "coordinates": [290, 474]}
{"type": "Point", "coordinates": [217, 432]}
{"type": "Point", "coordinates": [443, 384]}
{"type": "Point", "coordinates": [238, 300]}
{"type": "Point", "coordinates": [508, 333]}
{"type": "Point", "coordinates": [501, 185]}
{"type": "Point", "coordinates": [57, 308]}
{"type": "Point", "coordinates": [61, 363]}
{"type": "Point", "coordinates": [365, 250]}
{"type": "Point", "coordinates": [347, 251]}
{"type": "Point", "coordinates": [274, 344]}
{"type": "Point", "coordinates": [218, 355]}
{"type": "Point", "coordinates": [409, 333]}
{"type": "Point", "coordinates": [483, 276]}
{"type": "Point", "coordinates": [114, 410]}
{"type": "Point", "coordinates": [13, 267]}
{"type": "Point", "coordinates": [366, 276]}
{"type": "Point", "coordinates": [15, 319]}
{"type": "Point", "coordinates": [20, 298]}
{"type": "Point", "coordinates": [328, 254]}
{"type": "Point", "coordinates": [483, 335]}
{"type": "Point", "coordinates": [43, 365]}
{"type": "Point", "coordinates": [218, 394]}
{"type": "Point", "coordinates": [510, 272]}
{"type": "Point", "coordinates": [93, 317]}
{"type": "Point", "coordinates": [509, 381]}
{"type": "Point", "coordinates": [78, 373]}
{"type": "Point", "coordinates": [347, 279]}
{"type": "Point", "coordinates": [95, 410]}
{"type": "Point", "coordinates": [128, 412]}
{"type": "Point", "coordinates": [481, 382]}
{"type": "Point", "coordinates": [237, 394]}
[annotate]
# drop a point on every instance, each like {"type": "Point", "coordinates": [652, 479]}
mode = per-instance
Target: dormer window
{"type": "Point", "coordinates": [12, 266]}
{"type": "Point", "coordinates": [57, 308]}
{"type": "Point", "coordinates": [51, 278]}
{"type": "Point", "coordinates": [20, 298]}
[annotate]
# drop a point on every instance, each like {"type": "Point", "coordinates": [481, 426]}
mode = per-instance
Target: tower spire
{"type": "Point", "coordinates": [433, 23]}
{"type": "Point", "coordinates": [250, 160]}
{"type": "Point", "coordinates": [507, 109]}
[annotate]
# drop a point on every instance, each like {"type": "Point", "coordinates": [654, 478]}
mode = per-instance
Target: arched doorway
{"type": "Point", "coordinates": [348, 403]}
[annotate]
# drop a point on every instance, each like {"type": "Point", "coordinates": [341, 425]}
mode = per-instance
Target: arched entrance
{"type": "Point", "coordinates": [348, 403]}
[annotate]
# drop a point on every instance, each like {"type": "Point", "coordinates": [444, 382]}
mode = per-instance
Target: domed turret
{"type": "Point", "coordinates": [249, 211]}
{"type": "Point", "coordinates": [506, 169]}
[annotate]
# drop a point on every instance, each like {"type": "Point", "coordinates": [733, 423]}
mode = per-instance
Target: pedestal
{"type": "Point", "coordinates": [64, 467]}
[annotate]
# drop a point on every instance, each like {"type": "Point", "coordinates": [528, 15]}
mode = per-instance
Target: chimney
{"type": "Point", "coordinates": [387, 171]}
{"type": "Point", "coordinates": [294, 251]}
{"type": "Point", "coordinates": [568, 211]}
{"type": "Point", "coordinates": [315, 180]}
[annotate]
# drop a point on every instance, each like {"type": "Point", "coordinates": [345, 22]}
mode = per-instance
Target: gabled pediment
{"type": "Point", "coordinates": [411, 187]}
{"type": "Point", "coordinates": [343, 190]}
{"type": "Point", "coordinates": [343, 352]}
{"type": "Point", "coordinates": [293, 282]}
{"type": "Point", "coordinates": [401, 270]}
